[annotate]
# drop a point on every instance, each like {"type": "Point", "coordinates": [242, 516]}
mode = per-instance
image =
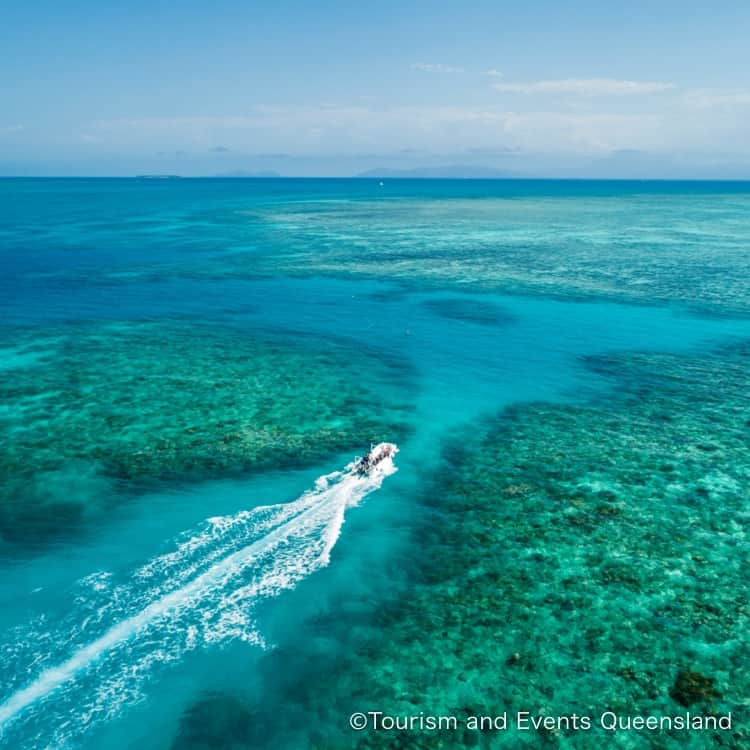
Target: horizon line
{"type": "Point", "coordinates": [259, 178]}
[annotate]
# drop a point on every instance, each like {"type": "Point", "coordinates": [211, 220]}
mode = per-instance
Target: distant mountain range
{"type": "Point", "coordinates": [457, 171]}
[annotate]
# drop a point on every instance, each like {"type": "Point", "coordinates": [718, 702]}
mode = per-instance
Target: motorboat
{"type": "Point", "coordinates": [378, 453]}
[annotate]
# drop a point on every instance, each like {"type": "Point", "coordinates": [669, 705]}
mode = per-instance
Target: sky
{"type": "Point", "coordinates": [570, 88]}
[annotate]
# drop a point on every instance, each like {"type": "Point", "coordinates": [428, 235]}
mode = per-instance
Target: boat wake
{"type": "Point", "coordinates": [72, 673]}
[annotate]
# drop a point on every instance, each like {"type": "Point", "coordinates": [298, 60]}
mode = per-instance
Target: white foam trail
{"type": "Point", "coordinates": [296, 539]}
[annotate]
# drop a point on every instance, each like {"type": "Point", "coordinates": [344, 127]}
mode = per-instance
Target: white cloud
{"type": "Point", "coordinates": [435, 68]}
{"type": "Point", "coordinates": [708, 98]}
{"type": "Point", "coordinates": [493, 73]}
{"type": "Point", "coordinates": [667, 124]}
{"type": "Point", "coordinates": [583, 86]}
{"type": "Point", "coordinates": [365, 129]}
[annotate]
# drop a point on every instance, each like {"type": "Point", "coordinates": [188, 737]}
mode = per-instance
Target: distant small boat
{"type": "Point", "coordinates": [378, 453]}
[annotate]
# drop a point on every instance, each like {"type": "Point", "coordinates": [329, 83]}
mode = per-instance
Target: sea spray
{"type": "Point", "coordinates": [202, 592]}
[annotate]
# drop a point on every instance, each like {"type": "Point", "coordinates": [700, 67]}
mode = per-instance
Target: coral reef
{"type": "Point", "coordinates": [575, 559]}
{"type": "Point", "coordinates": [109, 409]}
{"type": "Point", "coordinates": [637, 244]}
{"type": "Point", "coordinates": [624, 247]}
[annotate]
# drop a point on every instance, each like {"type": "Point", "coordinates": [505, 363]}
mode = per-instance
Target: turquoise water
{"type": "Point", "coordinates": [183, 360]}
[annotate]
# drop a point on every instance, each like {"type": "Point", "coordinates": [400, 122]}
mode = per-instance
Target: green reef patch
{"type": "Point", "coordinates": [98, 413]}
{"type": "Point", "coordinates": [573, 559]}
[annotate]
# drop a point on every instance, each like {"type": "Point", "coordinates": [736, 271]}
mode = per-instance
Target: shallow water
{"type": "Point", "coordinates": [200, 349]}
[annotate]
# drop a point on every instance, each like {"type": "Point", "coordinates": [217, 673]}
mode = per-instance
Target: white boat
{"type": "Point", "coordinates": [378, 453]}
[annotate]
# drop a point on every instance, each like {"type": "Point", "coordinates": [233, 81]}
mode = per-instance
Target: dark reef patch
{"type": "Point", "coordinates": [693, 687]}
{"type": "Point", "coordinates": [470, 310]}
{"type": "Point", "coordinates": [217, 722]}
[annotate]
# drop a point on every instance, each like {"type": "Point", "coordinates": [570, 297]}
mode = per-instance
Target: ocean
{"type": "Point", "coordinates": [190, 365]}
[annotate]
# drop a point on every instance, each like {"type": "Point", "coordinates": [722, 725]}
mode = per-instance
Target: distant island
{"type": "Point", "coordinates": [466, 172]}
{"type": "Point", "coordinates": [157, 177]}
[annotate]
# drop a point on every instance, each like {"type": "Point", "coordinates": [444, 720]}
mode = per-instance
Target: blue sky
{"type": "Point", "coordinates": [582, 88]}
